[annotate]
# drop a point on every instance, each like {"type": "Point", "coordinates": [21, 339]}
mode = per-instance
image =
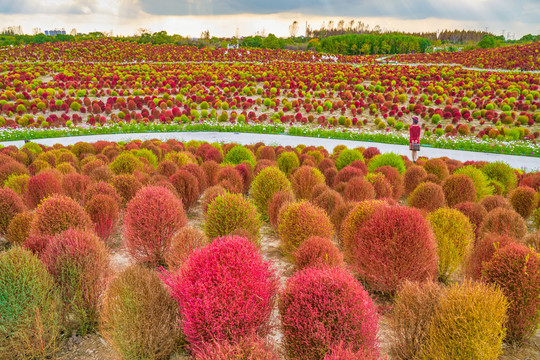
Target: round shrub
{"type": "Point", "coordinates": [491, 202]}
{"type": "Point", "coordinates": [103, 211]}
{"type": "Point", "coordinates": [210, 194]}
{"type": "Point", "coordinates": [427, 196]}
{"type": "Point", "coordinates": [183, 243]}
{"type": "Point", "coordinates": [468, 324]}
{"type": "Point", "coordinates": [389, 159]}
{"type": "Point", "coordinates": [268, 182]}
{"type": "Point", "coordinates": [30, 310]}
{"type": "Point", "coordinates": [438, 168]}
{"type": "Point", "coordinates": [347, 156]}
{"type": "Point", "coordinates": [167, 168]}
{"type": "Point", "coordinates": [354, 219]}
{"type": "Point", "coordinates": [382, 187]}
{"type": "Point", "coordinates": [533, 241]}
{"type": "Point", "coordinates": [249, 348]}
{"type": "Point", "coordinates": [504, 222]}
{"type": "Point", "coordinates": [211, 169]}
{"type": "Point", "coordinates": [455, 235]}
{"type": "Point", "coordinates": [126, 186]}
{"type": "Point", "coordinates": [329, 200]}
{"type": "Point", "coordinates": [57, 214]}
{"type": "Point", "coordinates": [74, 185]}
{"type": "Point", "coordinates": [323, 307]}
{"type": "Point", "coordinates": [414, 308]}
{"type": "Point", "coordinates": [151, 219]}
{"type": "Point", "coordinates": [304, 179]}
{"type": "Point", "coordinates": [458, 188]}
{"type": "Point", "coordinates": [346, 174]}
{"type": "Point", "coordinates": [299, 221]}
{"type": "Point", "coordinates": [523, 200]}
{"type": "Point", "coordinates": [125, 163]}
{"type": "Point", "coordinates": [238, 155]}
{"type": "Point", "coordinates": [502, 173]}
{"type": "Point", "coordinates": [17, 183]}
{"type": "Point", "coordinates": [101, 188]}
{"type": "Point", "coordinates": [395, 244]}
{"type": "Point", "coordinates": [266, 152]}
{"type": "Point", "coordinates": [12, 168]}
{"type": "Point", "coordinates": [358, 189]}
{"type": "Point", "coordinates": [230, 179]}
{"type": "Point", "coordinates": [516, 270]}
{"type": "Point", "coordinates": [474, 211]}
{"type": "Point", "coordinates": [317, 252]}
{"type": "Point", "coordinates": [394, 178]}
{"type": "Point", "coordinates": [138, 317]}
{"type": "Point", "coordinates": [41, 186]}
{"type": "Point", "coordinates": [186, 186]}
{"type": "Point", "coordinates": [480, 180]}
{"type": "Point", "coordinates": [79, 264]}
{"type": "Point", "coordinates": [225, 291]}
{"type": "Point", "coordinates": [279, 199]}
{"type": "Point", "coordinates": [287, 162]}
{"type": "Point", "coordinates": [11, 204]}
{"type": "Point", "coordinates": [482, 252]}
{"type": "Point", "coordinates": [230, 212]}
{"type": "Point", "coordinates": [246, 173]}
{"type": "Point", "coordinates": [199, 173]}
{"type": "Point", "coordinates": [325, 164]}
{"type": "Point", "coordinates": [19, 228]}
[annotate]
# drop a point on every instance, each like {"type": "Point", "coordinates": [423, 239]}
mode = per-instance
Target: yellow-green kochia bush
{"type": "Point", "coordinates": [269, 181]}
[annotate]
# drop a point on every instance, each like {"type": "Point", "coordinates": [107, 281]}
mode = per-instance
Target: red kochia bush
{"type": "Point", "coordinates": [101, 188]}
{"type": "Point", "coordinates": [346, 174]}
{"type": "Point", "coordinates": [103, 211]}
{"type": "Point", "coordinates": [523, 200]}
{"type": "Point", "coordinates": [323, 307]}
{"type": "Point", "coordinates": [127, 186]}
{"type": "Point", "coordinates": [249, 348]}
{"type": "Point", "coordinates": [491, 202]}
{"type": "Point", "coordinates": [317, 252]}
{"type": "Point", "coordinates": [428, 196]}
{"type": "Point", "coordinates": [414, 175]}
{"type": "Point", "coordinates": [304, 179]}
{"type": "Point", "coordinates": [474, 211]}
{"type": "Point", "coordinates": [225, 291]}
{"type": "Point", "coordinates": [199, 173]}
{"type": "Point", "coordinates": [41, 186]}
{"type": "Point", "coordinates": [328, 200]}
{"type": "Point", "coordinates": [151, 219]}
{"type": "Point", "coordinates": [230, 179]}
{"type": "Point", "coordinates": [57, 214]}
{"type": "Point", "coordinates": [395, 179]}
{"type": "Point", "coordinates": [74, 185]}
{"type": "Point", "coordinates": [395, 244]}
{"type": "Point", "coordinates": [341, 352]}
{"type": "Point", "coordinates": [458, 188]}
{"type": "Point", "coordinates": [279, 199]}
{"type": "Point", "coordinates": [482, 252]}
{"type": "Point", "coordinates": [359, 189]}
{"type": "Point", "coordinates": [79, 263]}
{"type": "Point", "coordinates": [11, 204]}
{"type": "Point", "coordinates": [187, 187]}
{"type": "Point", "coordinates": [210, 194]}
{"type": "Point", "coordinates": [516, 269]}
{"type": "Point", "coordinates": [505, 222]}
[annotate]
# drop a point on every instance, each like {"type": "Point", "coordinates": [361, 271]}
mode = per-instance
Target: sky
{"type": "Point", "coordinates": [246, 17]}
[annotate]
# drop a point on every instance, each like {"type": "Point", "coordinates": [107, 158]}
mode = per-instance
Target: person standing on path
{"type": "Point", "coordinates": [414, 139]}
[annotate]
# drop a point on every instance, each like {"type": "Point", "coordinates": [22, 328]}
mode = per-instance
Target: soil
{"type": "Point", "coordinates": [93, 346]}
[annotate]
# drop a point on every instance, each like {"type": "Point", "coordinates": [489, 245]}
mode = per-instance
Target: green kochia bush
{"type": "Point", "coordinates": [269, 181]}
{"type": "Point", "coordinates": [287, 162]}
{"type": "Point", "coordinates": [389, 159]}
{"type": "Point", "coordinates": [239, 154]}
{"type": "Point", "coordinates": [29, 307]}
{"type": "Point", "coordinates": [230, 212]}
{"type": "Point", "coordinates": [347, 156]}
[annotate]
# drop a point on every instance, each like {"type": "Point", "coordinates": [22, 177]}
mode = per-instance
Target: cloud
{"type": "Point", "coordinates": [71, 7]}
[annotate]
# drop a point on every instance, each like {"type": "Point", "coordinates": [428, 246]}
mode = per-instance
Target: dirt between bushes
{"type": "Point", "coordinates": [92, 347]}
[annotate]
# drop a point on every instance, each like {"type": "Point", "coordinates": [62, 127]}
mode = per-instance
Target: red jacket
{"type": "Point", "coordinates": [414, 132]}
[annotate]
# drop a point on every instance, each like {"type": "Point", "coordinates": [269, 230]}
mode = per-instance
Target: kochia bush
{"type": "Point", "coordinates": [183, 243]}
{"type": "Point", "coordinates": [57, 214]}
{"type": "Point", "coordinates": [11, 204]}
{"type": "Point", "coordinates": [458, 188]}
{"type": "Point", "coordinates": [186, 186]}
{"type": "Point", "coordinates": [79, 263]}
{"type": "Point", "coordinates": [516, 270]}
{"type": "Point", "coordinates": [249, 348]}
{"type": "Point", "coordinates": [482, 252]}
{"type": "Point", "coordinates": [317, 252]}
{"type": "Point", "coordinates": [239, 154]}
{"type": "Point", "coordinates": [389, 159]}
{"type": "Point", "coordinates": [269, 181]}
{"type": "Point", "coordinates": [323, 307]}
{"type": "Point", "coordinates": [347, 156]}
{"type": "Point", "coordinates": [299, 221]}
{"type": "Point", "coordinates": [304, 179]}
{"type": "Point", "coordinates": [138, 317]}
{"type": "Point", "coordinates": [454, 234]}
{"type": "Point", "coordinates": [30, 310]}
{"type": "Point", "coordinates": [230, 212]}
{"type": "Point", "coordinates": [151, 219]}
{"type": "Point", "coordinates": [427, 196]}
{"type": "Point", "coordinates": [523, 200]}
{"type": "Point", "coordinates": [468, 324]}
{"type": "Point", "coordinates": [414, 175]}
{"type": "Point", "coordinates": [41, 186]}
{"type": "Point", "coordinates": [505, 222]}
{"type": "Point", "coordinates": [103, 211]}
{"type": "Point", "coordinates": [279, 199]}
{"type": "Point", "coordinates": [225, 291]}
{"type": "Point", "coordinates": [394, 245]}
{"type": "Point", "coordinates": [474, 211]}
{"type": "Point", "coordinates": [19, 228]}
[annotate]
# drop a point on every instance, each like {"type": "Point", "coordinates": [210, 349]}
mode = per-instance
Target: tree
{"type": "Point", "coordinates": [293, 29]}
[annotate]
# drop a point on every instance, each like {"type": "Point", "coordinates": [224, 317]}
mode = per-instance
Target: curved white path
{"type": "Point", "coordinates": [519, 162]}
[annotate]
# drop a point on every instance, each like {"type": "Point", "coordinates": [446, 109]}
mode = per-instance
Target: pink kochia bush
{"type": "Point", "coordinates": [249, 348]}
{"type": "Point", "coordinates": [324, 307]}
{"type": "Point", "coordinates": [394, 245]}
{"type": "Point", "coordinates": [225, 291]}
{"type": "Point", "coordinates": [151, 219]}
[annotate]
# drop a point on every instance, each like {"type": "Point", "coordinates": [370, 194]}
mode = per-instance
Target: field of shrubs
{"type": "Point", "coordinates": [171, 250]}
{"type": "Point", "coordinates": [91, 87]}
